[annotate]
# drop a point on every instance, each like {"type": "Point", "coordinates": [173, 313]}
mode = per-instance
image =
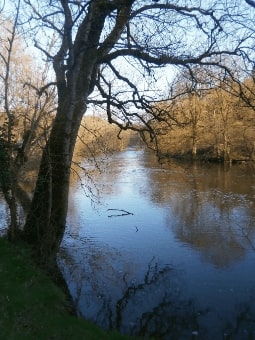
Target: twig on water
{"type": "Point", "coordinates": [124, 212]}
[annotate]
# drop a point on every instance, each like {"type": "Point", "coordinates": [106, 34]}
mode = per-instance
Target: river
{"type": "Point", "coordinates": [168, 252]}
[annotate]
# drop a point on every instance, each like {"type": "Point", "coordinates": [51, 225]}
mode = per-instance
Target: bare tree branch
{"type": "Point", "coordinates": [250, 2]}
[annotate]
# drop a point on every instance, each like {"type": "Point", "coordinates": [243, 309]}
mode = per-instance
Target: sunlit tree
{"type": "Point", "coordinates": [109, 53]}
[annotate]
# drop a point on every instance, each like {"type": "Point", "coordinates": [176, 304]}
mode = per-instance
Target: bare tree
{"type": "Point", "coordinates": [108, 54]}
{"type": "Point", "coordinates": [23, 112]}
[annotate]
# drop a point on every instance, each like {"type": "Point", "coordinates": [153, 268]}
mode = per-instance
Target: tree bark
{"type": "Point", "coordinates": [45, 223]}
{"type": "Point", "coordinates": [77, 69]}
{"type": "Point", "coordinates": [46, 220]}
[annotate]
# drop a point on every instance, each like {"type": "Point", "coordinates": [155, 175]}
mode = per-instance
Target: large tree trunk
{"type": "Point", "coordinates": [76, 78]}
{"type": "Point", "coordinates": [45, 223]}
{"type": "Point", "coordinates": [46, 220]}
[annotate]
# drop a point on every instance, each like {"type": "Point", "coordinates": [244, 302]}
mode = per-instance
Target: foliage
{"type": "Point", "coordinates": [5, 175]}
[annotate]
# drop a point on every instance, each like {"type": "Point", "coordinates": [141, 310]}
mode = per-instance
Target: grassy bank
{"type": "Point", "coordinates": [31, 306]}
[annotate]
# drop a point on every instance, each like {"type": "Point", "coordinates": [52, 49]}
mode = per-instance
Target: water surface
{"type": "Point", "coordinates": [169, 252]}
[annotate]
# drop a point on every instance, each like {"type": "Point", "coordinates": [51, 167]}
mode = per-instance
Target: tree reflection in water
{"type": "Point", "coordinates": [200, 219]}
{"type": "Point", "coordinates": [167, 314]}
{"type": "Point", "coordinates": [243, 325]}
{"type": "Point", "coordinates": [153, 302]}
{"type": "Point", "coordinates": [112, 298]}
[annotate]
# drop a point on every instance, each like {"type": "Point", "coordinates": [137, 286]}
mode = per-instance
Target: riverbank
{"type": "Point", "coordinates": [32, 307]}
{"type": "Point", "coordinates": [207, 155]}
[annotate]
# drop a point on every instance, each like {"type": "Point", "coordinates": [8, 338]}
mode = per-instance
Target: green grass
{"type": "Point", "coordinates": [32, 307]}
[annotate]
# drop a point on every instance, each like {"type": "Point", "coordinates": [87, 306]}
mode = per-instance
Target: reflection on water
{"type": "Point", "coordinates": [181, 265]}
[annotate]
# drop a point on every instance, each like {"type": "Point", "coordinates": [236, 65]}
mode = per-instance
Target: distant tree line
{"type": "Point", "coordinates": [213, 121]}
{"type": "Point", "coordinates": [108, 55]}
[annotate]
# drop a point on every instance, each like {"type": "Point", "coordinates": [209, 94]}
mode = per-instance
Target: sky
{"type": "Point", "coordinates": [165, 75]}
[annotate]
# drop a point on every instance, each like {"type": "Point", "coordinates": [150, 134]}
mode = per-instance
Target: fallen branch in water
{"type": "Point", "coordinates": [124, 212]}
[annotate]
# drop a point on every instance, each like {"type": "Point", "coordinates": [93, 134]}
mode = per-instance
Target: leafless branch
{"type": "Point", "coordinates": [124, 212]}
{"type": "Point", "coordinates": [251, 3]}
